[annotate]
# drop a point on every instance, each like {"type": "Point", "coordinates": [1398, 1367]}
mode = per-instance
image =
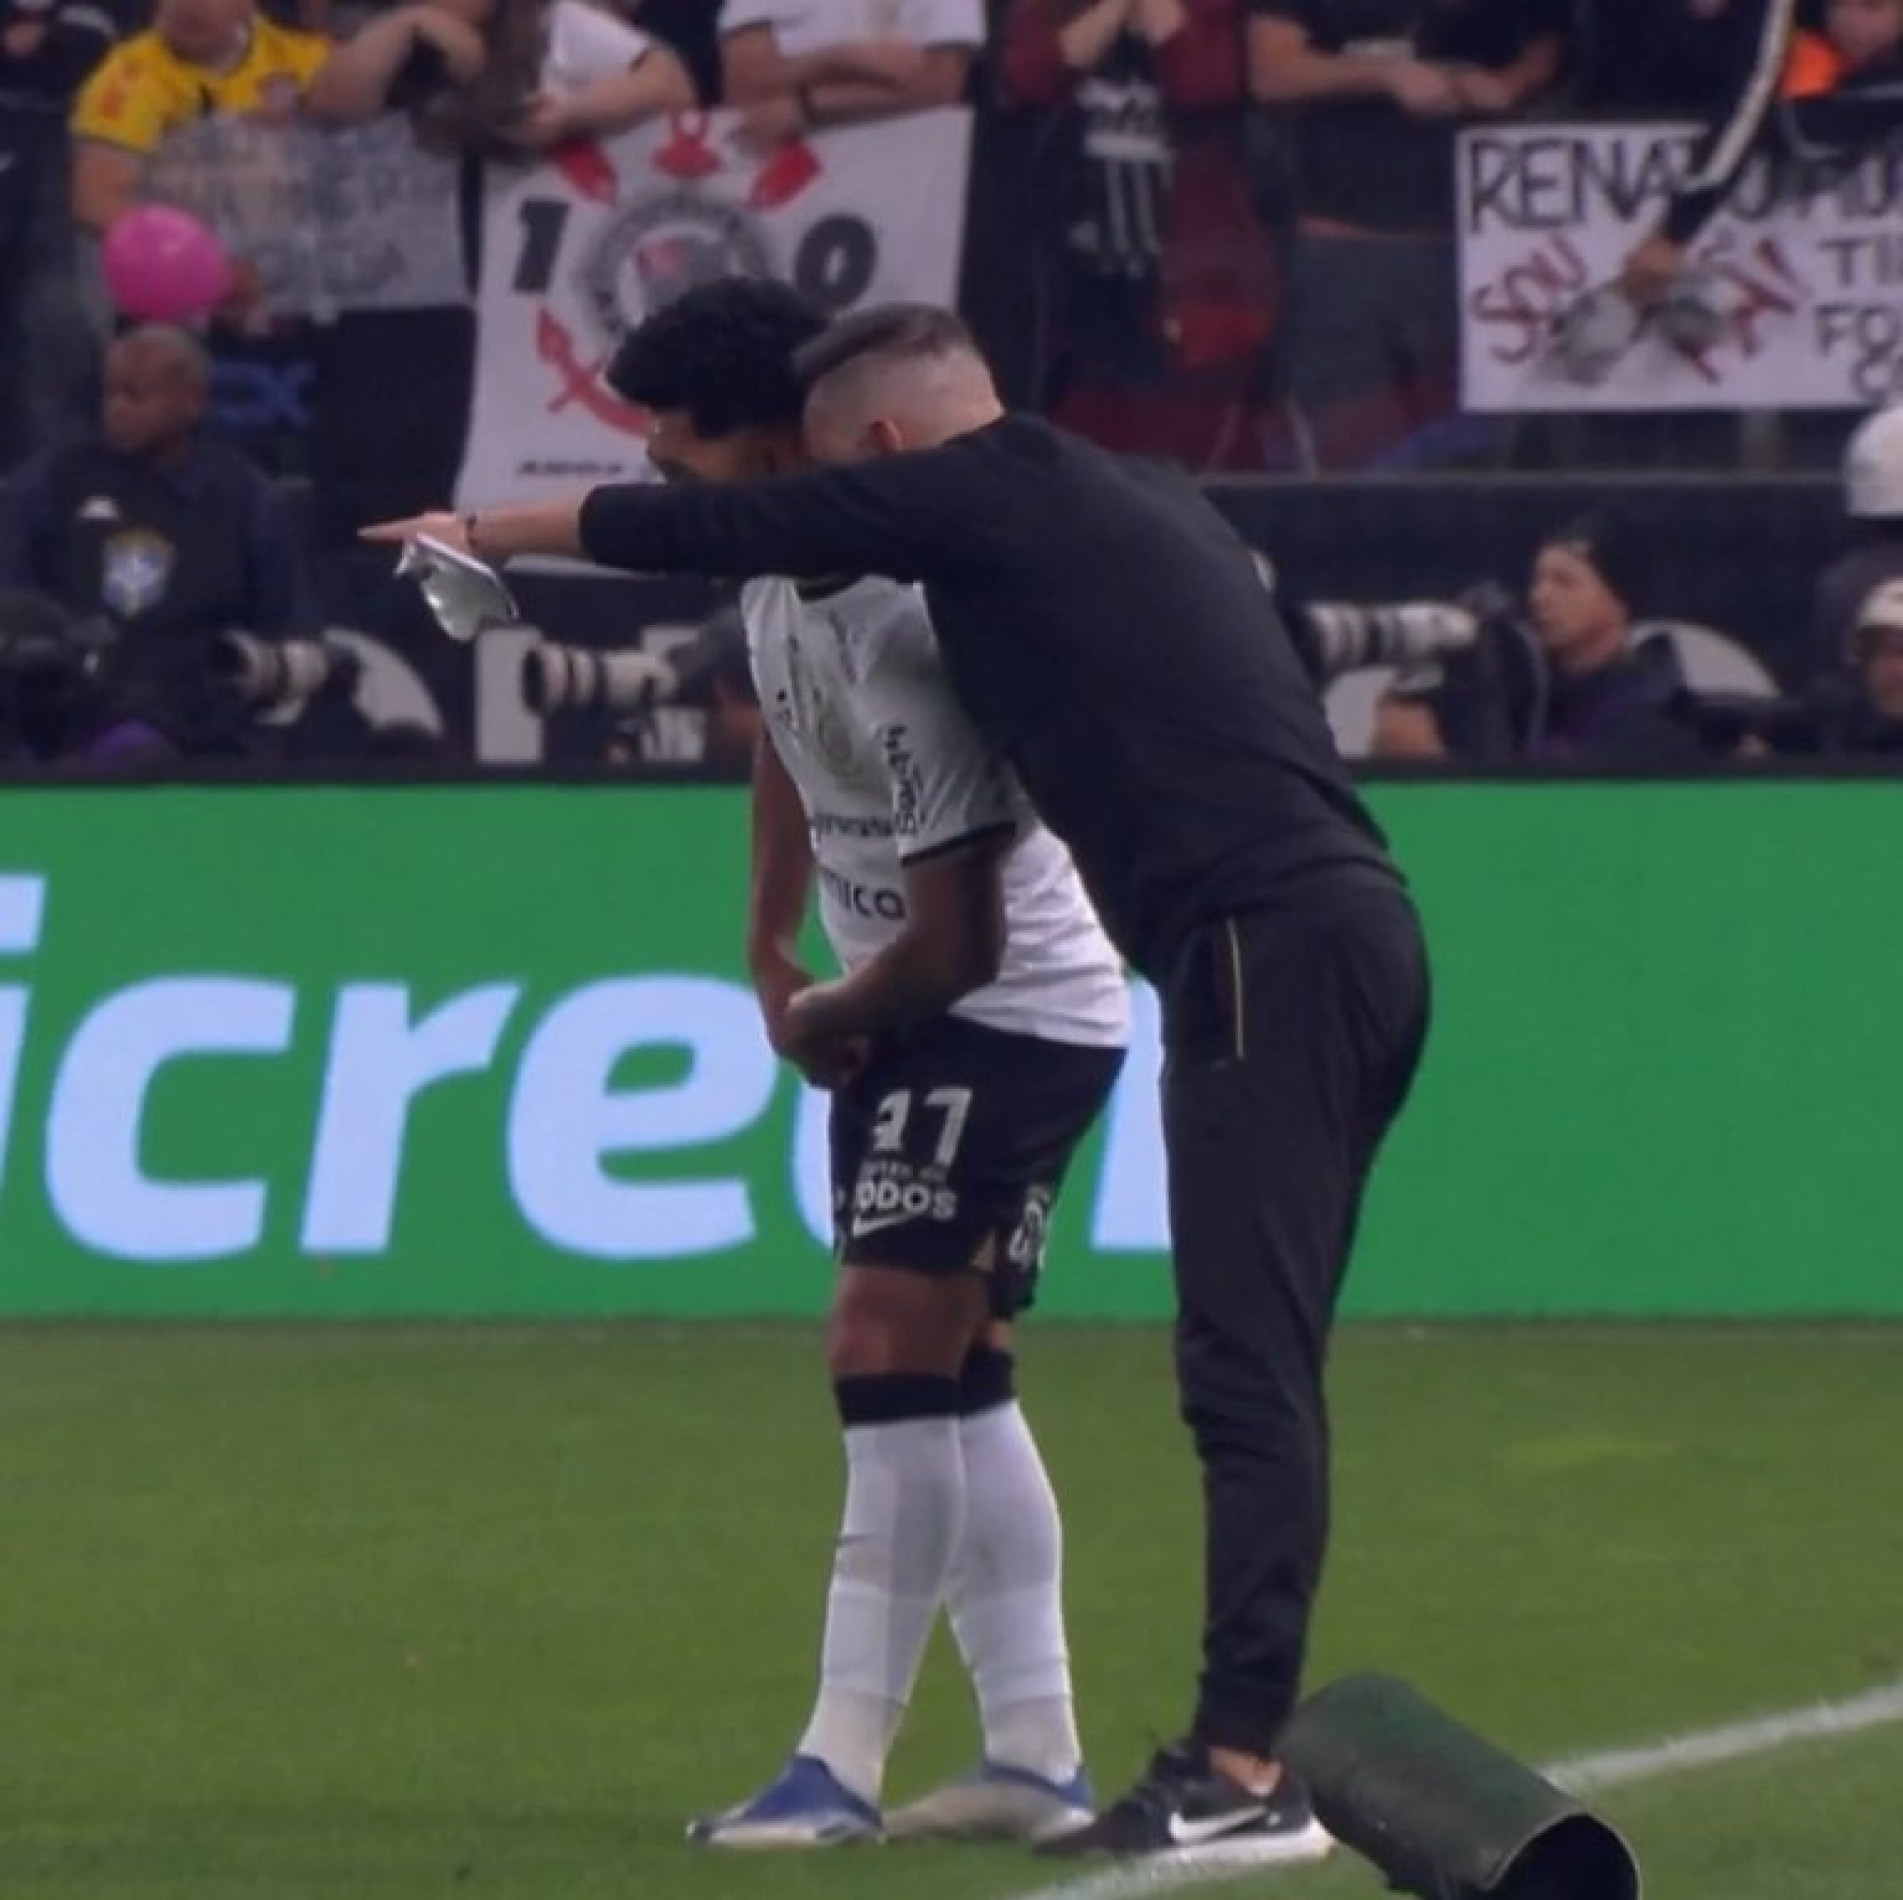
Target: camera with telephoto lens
{"type": "Point", "coordinates": [279, 675]}
{"type": "Point", "coordinates": [53, 685]}
{"type": "Point", "coordinates": [584, 679]}
{"type": "Point", "coordinates": [1339, 636]}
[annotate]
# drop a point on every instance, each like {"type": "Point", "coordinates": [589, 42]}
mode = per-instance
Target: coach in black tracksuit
{"type": "Point", "coordinates": [1107, 629]}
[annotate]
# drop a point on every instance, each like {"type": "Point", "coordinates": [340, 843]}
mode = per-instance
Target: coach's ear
{"type": "Point", "coordinates": [1441, 1812]}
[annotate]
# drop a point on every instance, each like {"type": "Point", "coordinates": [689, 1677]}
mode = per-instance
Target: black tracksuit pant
{"type": "Point", "coordinates": [1290, 1037]}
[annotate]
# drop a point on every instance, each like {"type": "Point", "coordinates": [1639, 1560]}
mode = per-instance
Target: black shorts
{"type": "Point", "coordinates": [949, 1147]}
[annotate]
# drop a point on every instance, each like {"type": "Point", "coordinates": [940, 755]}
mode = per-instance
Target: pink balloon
{"type": "Point", "coordinates": [163, 266]}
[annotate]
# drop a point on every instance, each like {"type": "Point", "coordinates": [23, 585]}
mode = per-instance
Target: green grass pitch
{"type": "Point", "coordinates": [293, 1613]}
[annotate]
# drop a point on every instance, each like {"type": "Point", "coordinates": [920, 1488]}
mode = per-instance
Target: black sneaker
{"type": "Point", "coordinates": [1183, 1804]}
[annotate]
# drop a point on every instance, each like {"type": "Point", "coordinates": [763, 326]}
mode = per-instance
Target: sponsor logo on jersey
{"type": "Point", "coordinates": [836, 824]}
{"type": "Point", "coordinates": [873, 901]}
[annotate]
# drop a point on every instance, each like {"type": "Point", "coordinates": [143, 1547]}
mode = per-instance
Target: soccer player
{"type": "Point", "coordinates": [1108, 632]}
{"type": "Point", "coordinates": [982, 1019]}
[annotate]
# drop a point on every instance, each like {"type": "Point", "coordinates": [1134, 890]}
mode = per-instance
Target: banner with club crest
{"type": "Point", "coordinates": [579, 249]}
{"type": "Point", "coordinates": [1794, 300]}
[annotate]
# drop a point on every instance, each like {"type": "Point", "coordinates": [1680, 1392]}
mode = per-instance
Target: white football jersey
{"type": "Point", "coordinates": [803, 26]}
{"type": "Point", "coordinates": [889, 769]}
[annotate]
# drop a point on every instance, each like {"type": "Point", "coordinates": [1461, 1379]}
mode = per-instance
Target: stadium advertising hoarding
{"type": "Point", "coordinates": [489, 1051]}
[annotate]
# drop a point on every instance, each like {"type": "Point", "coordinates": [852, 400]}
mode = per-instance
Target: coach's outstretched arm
{"type": "Point", "coordinates": [899, 407]}
{"type": "Point", "coordinates": [910, 516]}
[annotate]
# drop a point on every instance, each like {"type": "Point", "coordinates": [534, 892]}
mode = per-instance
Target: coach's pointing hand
{"type": "Point", "coordinates": [439, 525]}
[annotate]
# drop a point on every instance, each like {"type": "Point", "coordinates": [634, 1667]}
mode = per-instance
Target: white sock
{"type": "Point", "coordinates": [904, 1517]}
{"type": "Point", "coordinates": [1006, 1598]}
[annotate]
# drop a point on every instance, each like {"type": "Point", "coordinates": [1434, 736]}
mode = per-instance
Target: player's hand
{"type": "Point", "coordinates": [833, 1065]}
{"type": "Point", "coordinates": [828, 1062]}
{"type": "Point", "coordinates": [22, 39]}
{"type": "Point", "coordinates": [804, 1035]}
{"type": "Point", "coordinates": [440, 525]}
{"type": "Point", "coordinates": [1650, 271]}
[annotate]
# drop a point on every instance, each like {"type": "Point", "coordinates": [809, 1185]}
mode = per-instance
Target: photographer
{"type": "Point", "coordinates": [1872, 722]}
{"type": "Point", "coordinates": [1873, 546]}
{"type": "Point", "coordinates": [1566, 684]}
{"type": "Point", "coordinates": [170, 540]}
{"type": "Point", "coordinates": [1854, 712]}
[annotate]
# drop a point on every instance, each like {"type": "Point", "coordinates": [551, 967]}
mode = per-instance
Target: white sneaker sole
{"type": "Point", "coordinates": [1313, 1842]}
{"type": "Point", "coordinates": [985, 1811]}
{"type": "Point", "coordinates": [776, 1837]}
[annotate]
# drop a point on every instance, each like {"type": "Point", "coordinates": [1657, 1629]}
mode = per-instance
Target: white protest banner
{"type": "Point", "coordinates": [1801, 274]}
{"type": "Point", "coordinates": [351, 218]}
{"type": "Point", "coordinates": [578, 250]}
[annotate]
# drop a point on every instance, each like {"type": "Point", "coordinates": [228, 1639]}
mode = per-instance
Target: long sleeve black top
{"type": "Point", "coordinates": [1103, 625]}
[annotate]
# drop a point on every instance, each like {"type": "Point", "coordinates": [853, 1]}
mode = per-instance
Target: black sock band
{"type": "Point", "coordinates": [985, 1380]}
{"type": "Point", "coordinates": [885, 1398]}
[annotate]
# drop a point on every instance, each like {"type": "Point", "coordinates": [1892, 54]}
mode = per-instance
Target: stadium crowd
{"type": "Point", "coordinates": [1219, 230]}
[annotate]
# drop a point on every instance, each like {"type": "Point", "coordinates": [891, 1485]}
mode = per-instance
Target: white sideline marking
{"type": "Point", "coordinates": [1735, 1741]}
{"type": "Point", "coordinates": [1578, 1774]}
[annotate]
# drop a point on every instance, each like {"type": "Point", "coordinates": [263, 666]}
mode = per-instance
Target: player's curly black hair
{"type": "Point", "coordinates": [724, 353]}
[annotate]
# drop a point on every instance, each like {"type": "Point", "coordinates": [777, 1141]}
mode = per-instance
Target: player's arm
{"type": "Point", "coordinates": [779, 887]}
{"type": "Point", "coordinates": [955, 813]}
{"type": "Point", "coordinates": [778, 890]}
{"type": "Point", "coordinates": [952, 943]}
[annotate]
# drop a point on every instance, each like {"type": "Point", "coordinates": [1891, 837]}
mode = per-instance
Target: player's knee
{"type": "Point", "coordinates": [854, 1343]}
{"type": "Point", "coordinates": [886, 1320]}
